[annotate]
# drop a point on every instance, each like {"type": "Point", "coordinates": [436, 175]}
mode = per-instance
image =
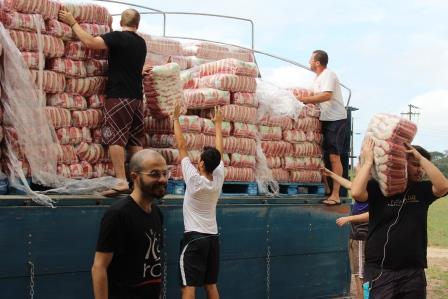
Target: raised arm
{"type": "Point", "coordinates": [218, 126]}
{"type": "Point", "coordinates": [342, 181]}
{"type": "Point", "coordinates": [180, 140]}
{"type": "Point", "coordinates": [85, 37]}
{"type": "Point", "coordinates": [359, 184]}
{"type": "Point", "coordinates": [99, 274]}
{"type": "Point", "coordinates": [438, 180]}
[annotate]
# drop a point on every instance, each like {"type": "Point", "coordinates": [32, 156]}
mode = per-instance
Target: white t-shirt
{"type": "Point", "coordinates": [334, 108]}
{"type": "Point", "coordinates": [201, 197]}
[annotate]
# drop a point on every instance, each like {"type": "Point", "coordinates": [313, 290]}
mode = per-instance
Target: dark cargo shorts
{"type": "Point", "coordinates": [335, 133]}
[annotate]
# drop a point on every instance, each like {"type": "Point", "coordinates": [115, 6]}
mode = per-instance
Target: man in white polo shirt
{"type": "Point", "coordinates": [199, 253]}
{"type": "Point", "coordinates": [327, 93]}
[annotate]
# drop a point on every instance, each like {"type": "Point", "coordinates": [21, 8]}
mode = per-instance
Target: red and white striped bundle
{"type": "Point", "coordinates": [274, 162]}
{"type": "Point", "coordinates": [83, 170]}
{"type": "Point", "coordinates": [47, 8]}
{"type": "Point", "coordinates": [203, 98]}
{"type": "Point", "coordinates": [306, 149]}
{"type": "Point", "coordinates": [280, 175]}
{"type": "Point", "coordinates": [162, 45]}
{"type": "Point", "coordinates": [86, 86]}
{"type": "Point", "coordinates": [302, 163]}
{"type": "Point", "coordinates": [228, 82]}
{"type": "Point", "coordinates": [276, 148]}
{"type": "Point", "coordinates": [162, 90]}
{"type": "Point", "coordinates": [244, 146]}
{"type": "Point", "coordinates": [285, 122]}
{"type": "Point", "coordinates": [59, 117]}
{"type": "Point", "coordinates": [32, 59]}
{"type": "Point", "coordinates": [69, 67]}
{"type": "Point", "coordinates": [216, 54]}
{"type": "Point", "coordinates": [244, 99]}
{"type": "Point", "coordinates": [229, 66]}
{"type": "Point", "coordinates": [308, 124]}
{"type": "Point", "coordinates": [91, 153]}
{"type": "Point", "coordinates": [89, 13]}
{"type": "Point", "coordinates": [68, 101]}
{"type": "Point", "coordinates": [242, 161]}
{"type": "Point", "coordinates": [389, 134]}
{"type": "Point", "coordinates": [192, 141]}
{"type": "Point", "coordinates": [306, 176]}
{"type": "Point", "coordinates": [52, 82]}
{"type": "Point", "coordinates": [77, 51]}
{"type": "Point", "coordinates": [298, 136]}
{"type": "Point", "coordinates": [90, 118]}
{"type": "Point", "coordinates": [239, 174]}
{"type": "Point", "coordinates": [66, 154]}
{"type": "Point", "coordinates": [239, 114]}
{"type": "Point", "coordinates": [244, 130]}
{"type": "Point", "coordinates": [20, 21]}
{"type": "Point", "coordinates": [96, 101]}
{"type": "Point", "coordinates": [28, 41]}
{"type": "Point", "coordinates": [58, 29]}
{"type": "Point", "coordinates": [95, 67]}
{"type": "Point", "coordinates": [208, 127]}
{"type": "Point", "coordinates": [300, 92]}
{"type": "Point", "coordinates": [172, 155]}
{"type": "Point", "coordinates": [310, 110]}
{"type": "Point", "coordinates": [70, 135]}
{"type": "Point", "coordinates": [270, 133]}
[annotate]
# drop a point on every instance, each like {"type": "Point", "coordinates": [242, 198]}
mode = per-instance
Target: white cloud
{"type": "Point", "coordinates": [288, 76]}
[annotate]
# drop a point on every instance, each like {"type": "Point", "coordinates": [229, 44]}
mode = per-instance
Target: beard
{"type": "Point", "coordinates": [152, 190]}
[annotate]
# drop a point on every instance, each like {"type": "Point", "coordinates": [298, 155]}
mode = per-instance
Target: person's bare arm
{"type": "Point", "coordinates": [438, 180]}
{"type": "Point", "coordinates": [88, 40]}
{"type": "Point", "coordinates": [342, 181]}
{"type": "Point", "coordinates": [219, 143]}
{"type": "Point", "coordinates": [359, 184]}
{"type": "Point", "coordinates": [99, 274]}
{"type": "Point", "coordinates": [180, 139]}
{"type": "Point", "coordinates": [361, 218]}
{"type": "Point", "coordinates": [317, 98]}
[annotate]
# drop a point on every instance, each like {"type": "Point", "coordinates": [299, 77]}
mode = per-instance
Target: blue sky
{"type": "Point", "coordinates": [390, 53]}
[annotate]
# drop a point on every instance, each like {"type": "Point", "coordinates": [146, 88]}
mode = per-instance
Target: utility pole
{"type": "Point", "coordinates": [410, 113]}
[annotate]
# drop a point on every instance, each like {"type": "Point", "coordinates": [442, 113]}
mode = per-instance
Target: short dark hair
{"type": "Point", "coordinates": [321, 56]}
{"type": "Point", "coordinates": [423, 152]}
{"type": "Point", "coordinates": [211, 157]}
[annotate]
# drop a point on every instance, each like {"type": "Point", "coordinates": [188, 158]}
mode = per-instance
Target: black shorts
{"type": "Point", "coordinates": [199, 259]}
{"type": "Point", "coordinates": [335, 133]}
{"type": "Point", "coordinates": [406, 284]}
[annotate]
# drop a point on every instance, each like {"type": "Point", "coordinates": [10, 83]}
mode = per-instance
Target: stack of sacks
{"type": "Point", "coordinates": [163, 50]}
{"type": "Point", "coordinates": [231, 84]}
{"type": "Point", "coordinates": [71, 77]}
{"type": "Point", "coordinates": [211, 51]}
{"type": "Point", "coordinates": [389, 134]}
{"type": "Point", "coordinates": [25, 22]}
{"type": "Point", "coordinates": [306, 138]}
{"type": "Point", "coordinates": [273, 145]}
{"type": "Point", "coordinates": [81, 154]}
{"type": "Point", "coordinates": [1, 111]}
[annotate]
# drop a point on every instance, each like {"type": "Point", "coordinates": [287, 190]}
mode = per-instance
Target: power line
{"type": "Point", "coordinates": [410, 113]}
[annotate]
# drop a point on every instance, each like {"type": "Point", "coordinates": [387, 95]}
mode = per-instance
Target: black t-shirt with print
{"type": "Point", "coordinates": [135, 238]}
{"type": "Point", "coordinates": [408, 237]}
{"type": "Point", "coordinates": [127, 54]}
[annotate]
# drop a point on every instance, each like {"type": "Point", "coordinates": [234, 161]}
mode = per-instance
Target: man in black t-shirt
{"type": "Point", "coordinates": [123, 111]}
{"type": "Point", "coordinates": [397, 237]}
{"type": "Point", "coordinates": [127, 261]}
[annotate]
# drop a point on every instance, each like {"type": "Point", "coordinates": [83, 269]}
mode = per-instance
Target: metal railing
{"type": "Point", "coordinates": [164, 14]}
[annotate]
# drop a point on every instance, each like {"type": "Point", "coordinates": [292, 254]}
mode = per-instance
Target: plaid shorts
{"type": "Point", "coordinates": [123, 122]}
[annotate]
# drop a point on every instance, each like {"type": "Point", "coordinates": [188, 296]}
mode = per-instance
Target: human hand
{"type": "Point", "coordinates": [177, 110]}
{"type": "Point", "coordinates": [411, 150]}
{"type": "Point", "coordinates": [67, 18]}
{"type": "Point", "coordinates": [325, 171]}
{"type": "Point", "coordinates": [367, 151]}
{"type": "Point", "coordinates": [218, 116]}
{"type": "Point", "coordinates": [342, 221]}
{"type": "Point", "coordinates": [146, 69]}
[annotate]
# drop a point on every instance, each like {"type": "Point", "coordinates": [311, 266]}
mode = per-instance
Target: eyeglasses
{"type": "Point", "coordinates": [155, 174]}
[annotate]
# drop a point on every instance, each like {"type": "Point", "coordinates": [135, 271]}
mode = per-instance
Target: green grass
{"type": "Point", "coordinates": [437, 275]}
{"type": "Point", "coordinates": [438, 224]}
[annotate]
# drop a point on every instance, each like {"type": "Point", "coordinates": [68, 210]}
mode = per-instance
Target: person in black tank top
{"type": "Point", "coordinates": [123, 112]}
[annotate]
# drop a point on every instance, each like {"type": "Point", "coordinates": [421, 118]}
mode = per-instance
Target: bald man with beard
{"type": "Point", "coordinates": [123, 112]}
{"type": "Point", "coordinates": [127, 261]}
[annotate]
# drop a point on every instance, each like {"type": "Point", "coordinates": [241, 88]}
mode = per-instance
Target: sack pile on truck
{"type": "Point", "coordinates": [389, 134]}
{"type": "Point", "coordinates": [238, 109]}
{"type": "Point", "coordinates": [71, 78]}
